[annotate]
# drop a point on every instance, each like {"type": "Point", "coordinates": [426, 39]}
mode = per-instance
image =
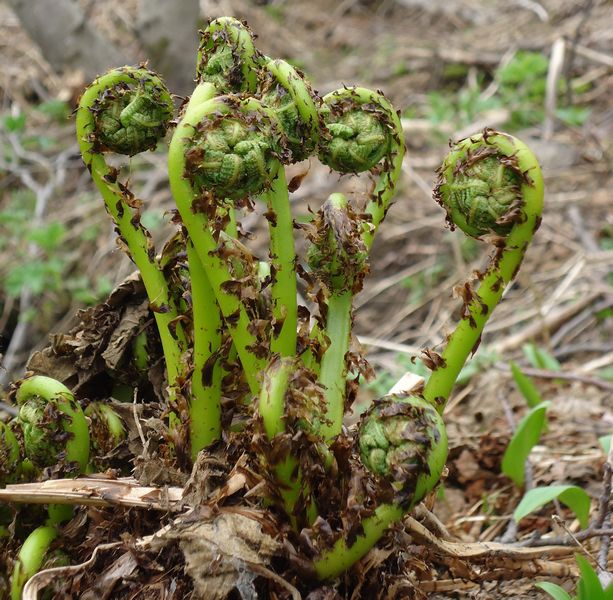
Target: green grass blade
{"type": "Point", "coordinates": [526, 386]}
{"type": "Point", "coordinates": [555, 591]}
{"type": "Point", "coordinates": [589, 584]}
{"type": "Point", "coordinates": [540, 359]}
{"type": "Point", "coordinates": [524, 439]}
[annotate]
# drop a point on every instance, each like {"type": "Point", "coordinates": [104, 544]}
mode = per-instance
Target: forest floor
{"type": "Point", "coordinates": [452, 68]}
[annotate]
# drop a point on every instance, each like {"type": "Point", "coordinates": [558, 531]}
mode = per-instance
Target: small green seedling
{"type": "Point", "coordinates": [526, 386]}
{"type": "Point", "coordinates": [526, 436]}
{"type": "Point", "coordinates": [605, 443]}
{"type": "Point", "coordinates": [589, 586]}
{"type": "Point", "coordinates": [540, 358]}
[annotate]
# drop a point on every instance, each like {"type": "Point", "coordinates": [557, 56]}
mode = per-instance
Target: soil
{"type": "Point", "coordinates": [561, 302]}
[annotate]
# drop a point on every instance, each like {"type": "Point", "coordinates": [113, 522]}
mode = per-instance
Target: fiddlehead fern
{"type": "Point", "coordinates": [338, 258]}
{"type": "Point", "coordinates": [130, 121]}
{"type": "Point", "coordinates": [402, 441]}
{"type": "Point", "coordinates": [338, 255]}
{"type": "Point", "coordinates": [231, 156]}
{"type": "Point", "coordinates": [489, 184]}
{"type": "Point", "coordinates": [31, 557]}
{"type": "Point", "coordinates": [404, 438]}
{"type": "Point", "coordinates": [128, 110]}
{"type": "Point", "coordinates": [364, 128]}
{"type": "Point", "coordinates": [227, 63]}
{"type": "Point", "coordinates": [227, 57]}
{"type": "Point", "coordinates": [286, 91]}
{"type": "Point", "coordinates": [360, 131]}
{"type": "Point", "coordinates": [52, 422]}
{"type": "Point", "coordinates": [288, 395]}
{"type": "Point", "coordinates": [293, 106]}
{"type": "Point", "coordinates": [482, 193]}
{"type": "Point", "coordinates": [200, 179]}
{"type": "Point", "coordinates": [107, 430]}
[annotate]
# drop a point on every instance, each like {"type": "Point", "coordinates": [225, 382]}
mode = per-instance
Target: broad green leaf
{"type": "Point", "coordinates": [555, 591]}
{"type": "Point", "coordinates": [524, 439]}
{"type": "Point", "coordinates": [526, 386]}
{"type": "Point", "coordinates": [571, 495]}
{"type": "Point", "coordinates": [605, 442]}
{"type": "Point", "coordinates": [589, 585]}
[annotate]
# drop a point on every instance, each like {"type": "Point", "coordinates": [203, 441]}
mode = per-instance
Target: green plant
{"type": "Point", "coordinates": [10, 455]}
{"type": "Point", "coordinates": [31, 557]}
{"type": "Point", "coordinates": [526, 386]}
{"type": "Point", "coordinates": [52, 423]}
{"type": "Point", "coordinates": [489, 183]}
{"type": "Point", "coordinates": [526, 436]}
{"type": "Point", "coordinates": [228, 321]}
{"type": "Point", "coordinates": [589, 586]}
{"type": "Point", "coordinates": [42, 259]}
{"type": "Point", "coordinates": [540, 358]}
{"type": "Point", "coordinates": [574, 497]}
{"type": "Point", "coordinates": [55, 433]}
{"type": "Point", "coordinates": [520, 87]}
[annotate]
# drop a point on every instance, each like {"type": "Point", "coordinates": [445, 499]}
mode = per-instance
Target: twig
{"type": "Point", "coordinates": [492, 88]}
{"type": "Point", "coordinates": [599, 57]}
{"type": "Point", "coordinates": [393, 280]}
{"type": "Point", "coordinates": [570, 349]}
{"type": "Point", "coordinates": [576, 321]}
{"type": "Point", "coordinates": [480, 551]}
{"type": "Point", "coordinates": [43, 578]}
{"type": "Point", "coordinates": [587, 9]}
{"type": "Point", "coordinates": [264, 572]}
{"type": "Point", "coordinates": [90, 491]}
{"type": "Point", "coordinates": [536, 8]}
{"type": "Point", "coordinates": [556, 65]}
{"type": "Point", "coordinates": [549, 323]}
{"type": "Point", "coordinates": [567, 540]}
{"type": "Point", "coordinates": [366, 340]}
{"type": "Point", "coordinates": [583, 233]}
{"type": "Point", "coordinates": [545, 374]}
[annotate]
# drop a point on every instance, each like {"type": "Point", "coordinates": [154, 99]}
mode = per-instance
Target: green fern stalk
{"type": "Point", "coordinates": [293, 491]}
{"type": "Point", "coordinates": [491, 186]}
{"type": "Point", "coordinates": [282, 263]}
{"type": "Point", "coordinates": [237, 162]}
{"type": "Point", "coordinates": [127, 110]}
